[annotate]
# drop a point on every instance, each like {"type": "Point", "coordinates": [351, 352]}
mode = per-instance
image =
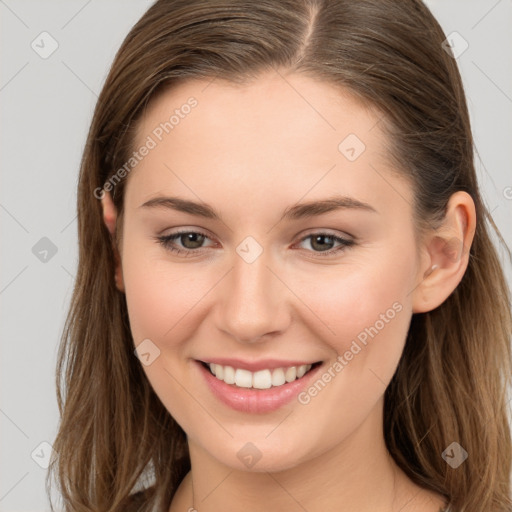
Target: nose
{"type": "Point", "coordinates": [253, 303]}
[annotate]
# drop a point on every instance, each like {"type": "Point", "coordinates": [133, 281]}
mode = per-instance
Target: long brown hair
{"type": "Point", "coordinates": [451, 384]}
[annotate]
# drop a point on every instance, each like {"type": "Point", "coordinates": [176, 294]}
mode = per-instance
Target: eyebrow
{"type": "Point", "coordinates": [296, 212]}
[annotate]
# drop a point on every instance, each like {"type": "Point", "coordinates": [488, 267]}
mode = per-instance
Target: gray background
{"type": "Point", "coordinates": [46, 107]}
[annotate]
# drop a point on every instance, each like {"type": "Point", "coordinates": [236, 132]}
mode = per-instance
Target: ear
{"type": "Point", "coordinates": [446, 254]}
{"type": "Point", "coordinates": [110, 219]}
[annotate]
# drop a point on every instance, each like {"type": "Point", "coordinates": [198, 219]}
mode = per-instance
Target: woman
{"type": "Point", "coordinates": [217, 354]}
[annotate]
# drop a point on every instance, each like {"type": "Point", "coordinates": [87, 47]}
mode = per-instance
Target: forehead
{"type": "Point", "coordinates": [281, 137]}
{"type": "Point", "coordinates": [296, 107]}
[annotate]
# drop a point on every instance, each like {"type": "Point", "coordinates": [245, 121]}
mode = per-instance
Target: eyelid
{"type": "Point", "coordinates": [330, 232]}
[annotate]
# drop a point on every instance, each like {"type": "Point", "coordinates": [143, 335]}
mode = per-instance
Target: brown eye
{"type": "Point", "coordinates": [194, 239]}
{"type": "Point", "coordinates": [323, 242]}
{"type": "Point", "coordinates": [190, 241]}
{"type": "Point", "coordinates": [319, 242]}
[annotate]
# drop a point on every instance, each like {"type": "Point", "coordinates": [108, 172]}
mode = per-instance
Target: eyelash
{"type": "Point", "coordinates": [167, 239]}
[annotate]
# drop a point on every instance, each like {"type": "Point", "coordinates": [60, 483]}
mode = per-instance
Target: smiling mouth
{"type": "Point", "coordinates": [262, 379]}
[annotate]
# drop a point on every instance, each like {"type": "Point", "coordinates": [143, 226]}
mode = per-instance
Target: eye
{"type": "Point", "coordinates": [192, 242]}
{"type": "Point", "coordinates": [318, 241]}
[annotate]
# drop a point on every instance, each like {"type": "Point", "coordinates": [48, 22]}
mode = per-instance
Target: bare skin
{"type": "Point", "coordinates": [251, 152]}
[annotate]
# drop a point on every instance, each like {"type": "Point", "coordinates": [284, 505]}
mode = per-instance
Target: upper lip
{"type": "Point", "coordinates": [254, 366]}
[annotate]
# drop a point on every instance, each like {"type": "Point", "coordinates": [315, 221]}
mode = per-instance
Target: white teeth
{"type": "Point", "coordinates": [262, 379]}
{"type": "Point", "coordinates": [290, 374]}
{"type": "Point", "coordinates": [229, 375]}
{"type": "Point", "coordinates": [278, 377]}
{"type": "Point", "coordinates": [301, 370]}
{"type": "Point", "coordinates": [243, 378]}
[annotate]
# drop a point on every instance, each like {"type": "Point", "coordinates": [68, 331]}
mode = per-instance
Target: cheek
{"type": "Point", "coordinates": [354, 298]}
{"type": "Point", "coordinates": [368, 311]}
{"type": "Point", "coordinates": [160, 295]}
{"type": "Point", "coordinates": [367, 308]}
{"type": "Point", "coordinates": [160, 300]}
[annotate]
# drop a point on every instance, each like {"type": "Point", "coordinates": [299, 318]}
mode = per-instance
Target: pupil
{"type": "Point", "coordinates": [321, 237]}
{"type": "Point", "coordinates": [189, 237]}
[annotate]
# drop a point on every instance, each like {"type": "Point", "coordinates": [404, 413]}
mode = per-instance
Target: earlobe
{"type": "Point", "coordinates": [447, 254]}
{"type": "Point", "coordinates": [110, 219]}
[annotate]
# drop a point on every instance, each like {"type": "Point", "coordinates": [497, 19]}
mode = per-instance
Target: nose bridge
{"type": "Point", "coordinates": [253, 302]}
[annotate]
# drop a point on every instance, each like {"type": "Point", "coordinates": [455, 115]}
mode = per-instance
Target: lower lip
{"type": "Point", "coordinates": [252, 400]}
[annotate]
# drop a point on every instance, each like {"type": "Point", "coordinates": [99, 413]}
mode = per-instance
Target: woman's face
{"type": "Point", "coordinates": [266, 284]}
